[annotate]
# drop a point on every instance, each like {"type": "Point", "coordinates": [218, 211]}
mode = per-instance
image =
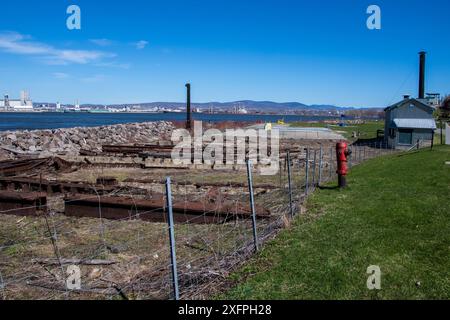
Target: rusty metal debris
{"type": "Point", "coordinates": [30, 166]}
{"type": "Point", "coordinates": [52, 187]}
{"type": "Point", "coordinates": [23, 204]}
{"type": "Point", "coordinates": [203, 184]}
{"type": "Point", "coordinates": [85, 152]}
{"type": "Point", "coordinates": [107, 181]}
{"type": "Point", "coordinates": [136, 149]}
{"type": "Point", "coordinates": [117, 208]}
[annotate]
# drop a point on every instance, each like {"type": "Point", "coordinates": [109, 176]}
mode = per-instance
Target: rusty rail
{"type": "Point", "coordinates": [135, 149]}
{"type": "Point", "coordinates": [118, 208]}
{"type": "Point", "coordinates": [16, 167]}
{"type": "Point", "coordinates": [22, 204]}
{"type": "Point", "coordinates": [52, 187]}
{"type": "Point", "coordinates": [202, 184]}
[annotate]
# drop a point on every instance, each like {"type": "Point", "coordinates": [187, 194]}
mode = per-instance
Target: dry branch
{"type": "Point", "coordinates": [94, 262]}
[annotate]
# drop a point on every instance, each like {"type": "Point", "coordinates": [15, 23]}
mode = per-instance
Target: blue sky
{"type": "Point", "coordinates": [315, 52]}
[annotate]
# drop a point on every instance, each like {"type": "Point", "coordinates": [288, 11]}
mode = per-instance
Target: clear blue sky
{"type": "Point", "coordinates": [315, 52]}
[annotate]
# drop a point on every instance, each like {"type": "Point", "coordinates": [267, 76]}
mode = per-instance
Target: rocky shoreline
{"type": "Point", "coordinates": [70, 141]}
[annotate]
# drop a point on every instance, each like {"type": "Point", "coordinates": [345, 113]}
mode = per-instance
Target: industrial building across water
{"type": "Point", "coordinates": [22, 104]}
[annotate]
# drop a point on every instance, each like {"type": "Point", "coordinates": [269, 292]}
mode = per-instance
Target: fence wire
{"type": "Point", "coordinates": [130, 258]}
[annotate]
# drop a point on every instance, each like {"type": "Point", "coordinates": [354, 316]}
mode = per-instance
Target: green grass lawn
{"type": "Point", "coordinates": [395, 214]}
{"type": "Point", "coordinates": [368, 130]}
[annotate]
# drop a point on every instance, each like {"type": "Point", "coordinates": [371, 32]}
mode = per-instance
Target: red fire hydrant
{"type": "Point", "coordinates": [342, 152]}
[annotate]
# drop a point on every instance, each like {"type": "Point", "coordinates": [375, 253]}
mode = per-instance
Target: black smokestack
{"type": "Point", "coordinates": [422, 75]}
{"type": "Point", "coordinates": [188, 106]}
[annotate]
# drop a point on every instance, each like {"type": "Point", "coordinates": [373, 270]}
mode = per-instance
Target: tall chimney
{"type": "Point", "coordinates": [188, 106]}
{"type": "Point", "coordinates": [422, 75]}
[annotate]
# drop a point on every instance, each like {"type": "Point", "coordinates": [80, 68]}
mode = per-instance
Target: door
{"type": "Point", "coordinates": [405, 137]}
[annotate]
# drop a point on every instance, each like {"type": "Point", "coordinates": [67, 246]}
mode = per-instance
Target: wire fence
{"type": "Point", "coordinates": [183, 256]}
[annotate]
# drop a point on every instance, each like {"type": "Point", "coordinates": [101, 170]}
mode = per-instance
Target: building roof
{"type": "Point", "coordinates": [415, 124]}
{"type": "Point", "coordinates": [420, 102]}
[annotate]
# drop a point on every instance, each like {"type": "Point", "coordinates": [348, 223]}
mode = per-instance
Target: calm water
{"type": "Point", "coordinates": [50, 120]}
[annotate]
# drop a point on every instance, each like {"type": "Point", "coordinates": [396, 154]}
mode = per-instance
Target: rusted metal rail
{"type": "Point", "coordinates": [22, 204]}
{"type": "Point", "coordinates": [135, 149]}
{"type": "Point", "coordinates": [28, 166]}
{"type": "Point", "coordinates": [117, 208]}
{"type": "Point", "coordinates": [52, 187]}
{"type": "Point", "coordinates": [202, 184]}
{"type": "Point", "coordinates": [107, 181]}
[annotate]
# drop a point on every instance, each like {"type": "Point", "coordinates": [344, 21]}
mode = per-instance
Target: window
{"type": "Point", "coordinates": [392, 133]}
{"type": "Point", "coordinates": [405, 137]}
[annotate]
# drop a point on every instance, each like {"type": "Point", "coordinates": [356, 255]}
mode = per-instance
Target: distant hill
{"type": "Point", "coordinates": [247, 104]}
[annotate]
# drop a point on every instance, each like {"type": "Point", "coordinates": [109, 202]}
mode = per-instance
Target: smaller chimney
{"type": "Point", "coordinates": [406, 96]}
{"type": "Point", "coordinates": [422, 55]}
{"type": "Point", "coordinates": [188, 106]}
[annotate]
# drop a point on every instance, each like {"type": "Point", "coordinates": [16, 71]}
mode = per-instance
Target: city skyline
{"type": "Point", "coordinates": [287, 51]}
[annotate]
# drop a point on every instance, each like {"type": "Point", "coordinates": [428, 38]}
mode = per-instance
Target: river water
{"type": "Point", "coordinates": [54, 120]}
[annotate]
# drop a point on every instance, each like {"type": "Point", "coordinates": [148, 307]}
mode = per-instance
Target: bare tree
{"type": "Point", "coordinates": [444, 109]}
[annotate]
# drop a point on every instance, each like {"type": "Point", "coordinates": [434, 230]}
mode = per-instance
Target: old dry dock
{"type": "Point", "coordinates": [95, 197]}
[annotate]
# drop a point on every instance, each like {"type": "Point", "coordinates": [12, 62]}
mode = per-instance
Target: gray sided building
{"type": "Point", "coordinates": [407, 122]}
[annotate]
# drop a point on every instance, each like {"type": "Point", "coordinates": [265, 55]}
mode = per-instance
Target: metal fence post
{"type": "Point", "coordinates": [2, 286]}
{"type": "Point", "coordinates": [361, 160]}
{"type": "Point", "coordinates": [320, 165]}
{"type": "Point", "coordinates": [359, 155]}
{"type": "Point", "coordinates": [350, 160]}
{"type": "Point", "coordinates": [281, 172]}
{"type": "Point", "coordinates": [252, 203]}
{"type": "Point", "coordinates": [173, 255]}
{"type": "Point", "coordinates": [291, 209]}
{"type": "Point", "coordinates": [307, 172]}
{"type": "Point", "coordinates": [314, 170]}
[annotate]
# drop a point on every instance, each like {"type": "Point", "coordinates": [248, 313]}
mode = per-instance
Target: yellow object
{"type": "Point", "coordinates": [281, 122]}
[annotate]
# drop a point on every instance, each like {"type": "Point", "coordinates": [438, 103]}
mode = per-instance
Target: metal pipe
{"type": "Point", "coordinates": [320, 166]}
{"type": "Point", "coordinates": [314, 170]}
{"type": "Point", "coordinates": [291, 209]}
{"type": "Point", "coordinates": [307, 172]}
{"type": "Point", "coordinates": [252, 203]}
{"type": "Point", "coordinates": [173, 255]}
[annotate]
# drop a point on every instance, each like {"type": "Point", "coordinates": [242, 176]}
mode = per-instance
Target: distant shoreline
{"type": "Point", "coordinates": [169, 112]}
{"type": "Point", "coordinates": [58, 120]}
